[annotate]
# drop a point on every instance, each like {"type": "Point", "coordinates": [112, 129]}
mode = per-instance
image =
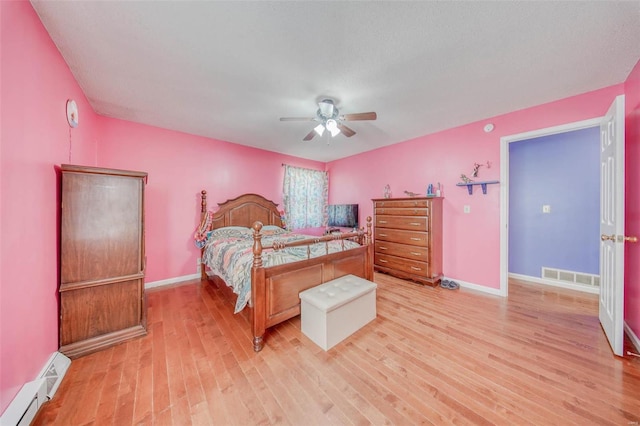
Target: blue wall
{"type": "Point", "coordinates": [562, 171]}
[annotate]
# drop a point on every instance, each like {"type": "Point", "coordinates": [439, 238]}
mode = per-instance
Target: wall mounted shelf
{"type": "Point", "coordinates": [482, 184]}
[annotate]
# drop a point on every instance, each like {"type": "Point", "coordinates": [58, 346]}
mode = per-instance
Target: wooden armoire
{"type": "Point", "coordinates": [102, 261]}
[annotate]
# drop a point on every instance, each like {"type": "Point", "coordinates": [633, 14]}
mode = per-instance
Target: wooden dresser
{"type": "Point", "coordinates": [408, 238]}
{"type": "Point", "coordinates": [102, 300]}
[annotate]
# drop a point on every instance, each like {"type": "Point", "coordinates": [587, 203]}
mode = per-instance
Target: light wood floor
{"type": "Point", "coordinates": [432, 356]}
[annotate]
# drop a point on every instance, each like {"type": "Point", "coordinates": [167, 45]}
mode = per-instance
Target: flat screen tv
{"type": "Point", "coordinates": [343, 215]}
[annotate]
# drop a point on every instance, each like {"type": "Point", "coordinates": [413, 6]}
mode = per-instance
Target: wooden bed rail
{"type": "Point", "coordinates": [363, 237]}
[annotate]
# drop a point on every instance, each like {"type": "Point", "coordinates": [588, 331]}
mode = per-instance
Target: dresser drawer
{"type": "Point", "coordinates": [411, 223]}
{"type": "Point", "coordinates": [401, 264]}
{"type": "Point", "coordinates": [402, 250]}
{"type": "Point", "coordinates": [414, 238]}
{"type": "Point", "coordinates": [407, 203]}
{"type": "Point", "coordinates": [403, 211]}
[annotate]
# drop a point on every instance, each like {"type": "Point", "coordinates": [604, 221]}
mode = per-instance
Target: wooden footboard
{"type": "Point", "coordinates": [275, 290]}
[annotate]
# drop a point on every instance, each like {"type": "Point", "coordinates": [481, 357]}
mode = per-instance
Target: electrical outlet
{"type": "Point", "coordinates": [546, 208]}
{"type": "Point", "coordinates": [198, 265]}
{"type": "Point", "coordinates": [467, 209]}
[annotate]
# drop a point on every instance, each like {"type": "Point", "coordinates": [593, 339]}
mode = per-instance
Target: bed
{"type": "Point", "coordinates": [275, 284]}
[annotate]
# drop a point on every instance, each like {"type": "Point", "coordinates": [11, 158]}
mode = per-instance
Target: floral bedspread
{"type": "Point", "coordinates": [230, 256]}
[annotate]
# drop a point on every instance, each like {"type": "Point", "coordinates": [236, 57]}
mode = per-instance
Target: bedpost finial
{"type": "Point", "coordinates": [203, 202]}
{"type": "Point", "coordinates": [257, 244]}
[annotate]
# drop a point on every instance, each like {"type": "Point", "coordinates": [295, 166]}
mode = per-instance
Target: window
{"type": "Point", "coordinates": [306, 195]}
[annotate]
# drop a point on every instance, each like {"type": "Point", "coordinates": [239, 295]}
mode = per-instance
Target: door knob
{"type": "Point", "coordinates": [620, 238]}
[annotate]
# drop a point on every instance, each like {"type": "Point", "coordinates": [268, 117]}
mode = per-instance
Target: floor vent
{"type": "Point", "coordinates": [571, 277]}
{"type": "Point", "coordinates": [552, 274]}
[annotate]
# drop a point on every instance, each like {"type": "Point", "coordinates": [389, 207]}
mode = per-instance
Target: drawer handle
{"type": "Point", "coordinates": [415, 268]}
{"type": "Point", "coordinates": [382, 221]}
{"type": "Point", "coordinates": [383, 261]}
{"type": "Point", "coordinates": [383, 235]}
{"type": "Point", "coordinates": [383, 248]}
{"type": "Point", "coordinates": [415, 253]}
{"type": "Point", "coordinates": [415, 223]}
{"type": "Point", "coordinates": [415, 239]}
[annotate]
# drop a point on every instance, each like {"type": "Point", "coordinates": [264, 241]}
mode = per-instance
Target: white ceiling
{"type": "Point", "coordinates": [229, 69]}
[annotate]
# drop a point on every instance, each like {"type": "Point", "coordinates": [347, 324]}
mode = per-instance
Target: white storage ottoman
{"type": "Point", "coordinates": [336, 309]}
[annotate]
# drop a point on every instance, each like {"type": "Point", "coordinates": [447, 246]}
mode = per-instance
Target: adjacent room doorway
{"type": "Point", "coordinates": [554, 205]}
{"type": "Point", "coordinates": [611, 215]}
{"type": "Point", "coordinates": [504, 187]}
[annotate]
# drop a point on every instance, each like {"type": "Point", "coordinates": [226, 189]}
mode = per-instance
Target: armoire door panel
{"type": "Point", "coordinates": [98, 245]}
{"type": "Point", "coordinates": [93, 311]}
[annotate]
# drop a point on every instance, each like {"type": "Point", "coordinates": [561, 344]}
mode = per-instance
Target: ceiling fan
{"type": "Point", "coordinates": [330, 119]}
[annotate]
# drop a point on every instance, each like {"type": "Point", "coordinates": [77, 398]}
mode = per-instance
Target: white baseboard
{"type": "Point", "coordinates": [553, 283]}
{"type": "Point", "coordinates": [170, 281]}
{"type": "Point", "coordinates": [477, 287]}
{"type": "Point", "coordinates": [632, 336]}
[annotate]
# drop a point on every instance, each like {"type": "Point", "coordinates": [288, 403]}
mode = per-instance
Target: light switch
{"type": "Point", "coordinates": [546, 208]}
{"type": "Point", "coordinates": [467, 209]}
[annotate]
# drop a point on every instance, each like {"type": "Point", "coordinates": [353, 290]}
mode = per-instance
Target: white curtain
{"type": "Point", "coordinates": [306, 196]}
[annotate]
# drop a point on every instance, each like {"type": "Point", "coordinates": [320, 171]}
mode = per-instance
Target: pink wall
{"type": "Point", "coordinates": [471, 247]}
{"type": "Point", "coordinates": [34, 138]}
{"type": "Point", "coordinates": [35, 84]}
{"type": "Point", "coordinates": [632, 199]}
{"type": "Point", "coordinates": [180, 166]}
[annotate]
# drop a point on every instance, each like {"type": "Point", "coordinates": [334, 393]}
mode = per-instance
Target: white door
{"type": "Point", "coordinates": [612, 225]}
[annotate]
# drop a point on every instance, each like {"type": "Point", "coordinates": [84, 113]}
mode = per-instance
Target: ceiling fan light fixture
{"type": "Point", "coordinates": [329, 118]}
{"type": "Point", "coordinates": [332, 126]}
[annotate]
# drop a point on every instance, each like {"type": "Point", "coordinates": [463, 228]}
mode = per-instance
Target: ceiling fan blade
{"type": "Point", "coordinates": [297, 118]}
{"type": "Point", "coordinates": [360, 116]}
{"type": "Point", "coordinates": [309, 136]}
{"type": "Point", "coordinates": [345, 130]}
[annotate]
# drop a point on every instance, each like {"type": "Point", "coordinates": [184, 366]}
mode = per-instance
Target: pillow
{"type": "Point", "coordinates": [272, 230]}
{"type": "Point", "coordinates": [231, 232]}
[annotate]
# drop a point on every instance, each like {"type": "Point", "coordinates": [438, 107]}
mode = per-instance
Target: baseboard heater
{"type": "Point", "coordinates": [34, 394]}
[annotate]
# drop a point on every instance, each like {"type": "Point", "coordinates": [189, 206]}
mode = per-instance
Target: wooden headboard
{"type": "Point", "coordinates": [243, 211]}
